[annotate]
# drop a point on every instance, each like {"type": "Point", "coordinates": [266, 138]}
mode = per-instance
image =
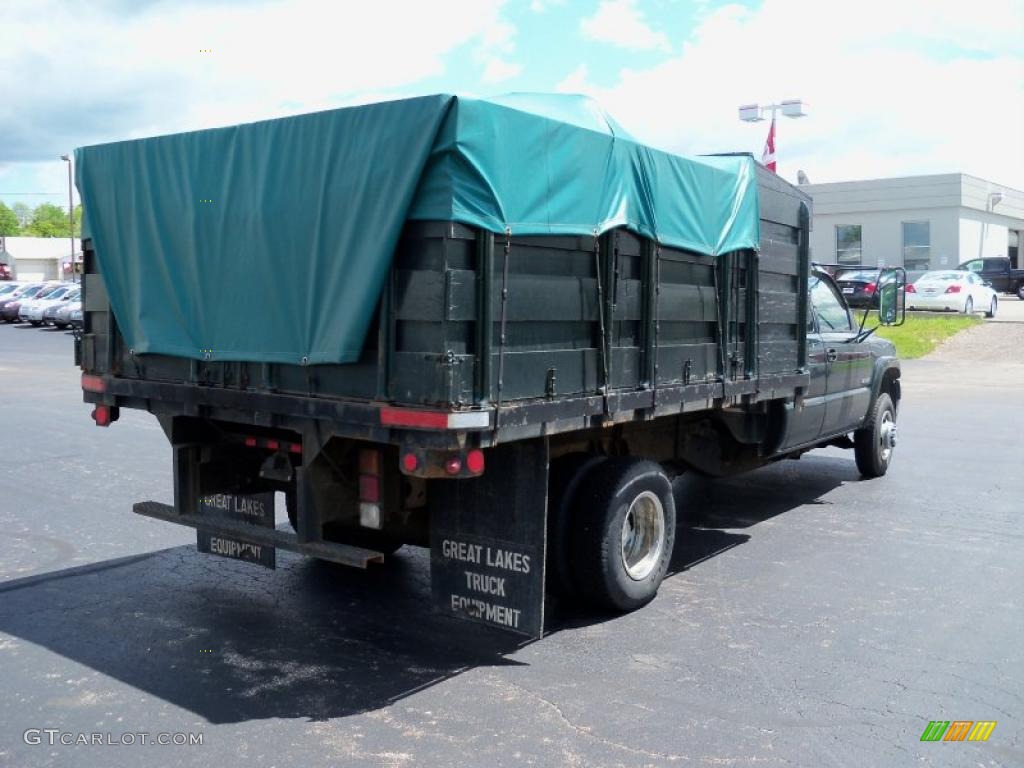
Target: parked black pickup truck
{"type": "Point", "coordinates": [997, 272]}
{"type": "Point", "coordinates": [541, 353]}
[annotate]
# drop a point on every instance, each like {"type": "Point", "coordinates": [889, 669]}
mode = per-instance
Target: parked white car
{"type": "Point", "coordinates": [952, 290]}
{"type": "Point", "coordinates": [32, 310]}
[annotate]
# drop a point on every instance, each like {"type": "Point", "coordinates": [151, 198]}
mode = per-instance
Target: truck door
{"type": "Point", "coordinates": [848, 386]}
{"type": "Point", "coordinates": [808, 415]}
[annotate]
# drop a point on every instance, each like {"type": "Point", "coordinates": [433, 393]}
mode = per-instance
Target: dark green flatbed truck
{"type": "Point", "coordinates": [519, 406]}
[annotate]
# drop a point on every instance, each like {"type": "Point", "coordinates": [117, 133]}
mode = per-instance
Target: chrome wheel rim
{"type": "Point", "coordinates": [643, 535]}
{"type": "Point", "coordinates": [887, 436]}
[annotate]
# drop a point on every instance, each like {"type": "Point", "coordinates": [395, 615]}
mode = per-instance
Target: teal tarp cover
{"type": "Point", "coordinates": [271, 241]}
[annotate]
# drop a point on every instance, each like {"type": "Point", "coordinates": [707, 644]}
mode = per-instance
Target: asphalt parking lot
{"type": "Point", "coordinates": [812, 618]}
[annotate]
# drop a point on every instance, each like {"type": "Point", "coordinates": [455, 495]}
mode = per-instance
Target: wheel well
{"type": "Point", "coordinates": [891, 385]}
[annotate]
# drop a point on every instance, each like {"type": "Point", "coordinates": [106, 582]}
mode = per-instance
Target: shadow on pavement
{"type": "Point", "coordinates": [232, 642]}
{"type": "Point", "coordinates": [708, 510]}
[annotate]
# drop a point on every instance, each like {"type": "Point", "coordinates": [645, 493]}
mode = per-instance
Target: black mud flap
{"type": "Point", "coordinates": [256, 510]}
{"type": "Point", "coordinates": [487, 540]}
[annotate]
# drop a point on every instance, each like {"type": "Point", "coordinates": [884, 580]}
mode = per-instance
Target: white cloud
{"type": "Point", "coordinates": [542, 6]}
{"type": "Point", "coordinates": [492, 54]}
{"type": "Point", "coordinates": [136, 69]}
{"type": "Point", "coordinates": [894, 88]}
{"type": "Point", "coordinates": [575, 81]}
{"type": "Point", "coordinates": [621, 23]}
{"type": "Point", "coordinates": [496, 70]}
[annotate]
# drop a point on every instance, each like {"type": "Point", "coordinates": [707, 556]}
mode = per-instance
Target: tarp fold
{"type": "Point", "coordinates": [270, 241]}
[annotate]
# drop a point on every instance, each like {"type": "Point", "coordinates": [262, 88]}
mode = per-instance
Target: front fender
{"type": "Point", "coordinates": [885, 377]}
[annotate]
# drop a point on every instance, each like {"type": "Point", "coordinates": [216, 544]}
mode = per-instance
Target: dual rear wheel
{"type": "Point", "coordinates": [611, 530]}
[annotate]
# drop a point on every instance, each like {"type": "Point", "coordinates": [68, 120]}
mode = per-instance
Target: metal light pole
{"type": "Point", "coordinates": [755, 113]}
{"type": "Point", "coordinates": [71, 216]}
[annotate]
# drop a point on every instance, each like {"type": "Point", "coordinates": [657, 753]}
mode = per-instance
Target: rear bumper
{"type": "Point", "coordinates": [945, 302]}
{"type": "Point", "coordinates": [860, 301]}
{"type": "Point", "coordinates": [324, 550]}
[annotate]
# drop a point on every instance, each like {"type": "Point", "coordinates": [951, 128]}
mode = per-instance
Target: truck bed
{"type": "Point", "coordinates": [528, 335]}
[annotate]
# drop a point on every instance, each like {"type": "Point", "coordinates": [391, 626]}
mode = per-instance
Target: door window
{"type": "Point", "coordinates": [973, 266]}
{"type": "Point", "coordinates": [829, 309]}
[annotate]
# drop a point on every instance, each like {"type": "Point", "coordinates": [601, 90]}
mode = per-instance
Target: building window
{"type": "Point", "coordinates": [917, 245]}
{"type": "Point", "coordinates": [848, 250]}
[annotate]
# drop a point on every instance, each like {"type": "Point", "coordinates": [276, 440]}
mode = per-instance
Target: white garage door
{"type": "Point", "coordinates": [31, 270]}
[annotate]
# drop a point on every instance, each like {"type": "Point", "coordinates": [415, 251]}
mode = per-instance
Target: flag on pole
{"type": "Point", "coordinates": [768, 157]}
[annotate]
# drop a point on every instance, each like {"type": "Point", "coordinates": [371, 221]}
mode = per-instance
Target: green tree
{"type": "Point", "coordinates": [8, 221]}
{"type": "Point", "coordinates": [78, 220]}
{"type": "Point", "coordinates": [48, 220]}
{"type": "Point", "coordinates": [24, 214]}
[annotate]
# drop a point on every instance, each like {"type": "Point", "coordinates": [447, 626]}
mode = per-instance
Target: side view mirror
{"type": "Point", "coordinates": [892, 296]}
{"type": "Point", "coordinates": [987, 282]}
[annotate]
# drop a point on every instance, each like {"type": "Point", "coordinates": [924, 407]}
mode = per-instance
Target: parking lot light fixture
{"type": "Point", "coordinates": [71, 216]}
{"type": "Point", "coordinates": [755, 113]}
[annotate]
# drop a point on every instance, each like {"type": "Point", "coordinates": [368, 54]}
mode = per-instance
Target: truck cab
{"type": "Point", "coordinates": [849, 370]}
{"type": "Point", "coordinates": [998, 272]}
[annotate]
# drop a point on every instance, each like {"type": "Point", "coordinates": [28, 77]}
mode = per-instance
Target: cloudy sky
{"type": "Point", "coordinates": [895, 87]}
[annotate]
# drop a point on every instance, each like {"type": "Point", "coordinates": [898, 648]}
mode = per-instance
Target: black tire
{"type": "Point", "coordinates": [600, 512]}
{"type": "Point", "coordinates": [969, 306]}
{"type": "Point", "coordinates": [873, 455]}
{"type": "Point", "coordinates": [357, 537]}
{"type": "Point", "coordinates": [60, 326]}
{"type": "Point", "coordinates": [1020, 291]}
{"type": "Point", "coordinates": [35, 323]}
{"type": "Point", "coordinates": [567, 475]}
{"type": "Point", "coordinates": [992, 308]}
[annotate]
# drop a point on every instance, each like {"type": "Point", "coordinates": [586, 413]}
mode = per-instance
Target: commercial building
{"type": "Point", "coordinates": [917, 222]}
{"type": "Point", "coordinates": [39, 258]}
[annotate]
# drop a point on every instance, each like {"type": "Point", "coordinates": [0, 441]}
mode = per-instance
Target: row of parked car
{"type": "Point", "coordinates": [47, 303]}
{"type": "Point", "coordinates": [947, 290]}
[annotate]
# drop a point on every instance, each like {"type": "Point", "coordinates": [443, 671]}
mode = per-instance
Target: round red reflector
{"type": "Point", "coordinates": [453, 466]}
{"type": "Point", "coordinates": [475, 461]}
{"type": "Point", "coordinates": [101, 415]}
{"type": "Point", "coordinates": [410, 462]}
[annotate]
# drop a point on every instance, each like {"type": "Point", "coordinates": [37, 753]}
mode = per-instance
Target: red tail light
{"type": "Point", "coordinates": [870, 288]}
{"type": "Point", "coordinates": [911, 288]}
{"type": "Point", "coordinates": [410, 462]}
{"type": "Point", "coordinates": [369, 488]}
{"type": "Point", "coordinates": [369, 475]}
{"type": "Point", "coordinates": [101, 415]}
{"type": "Point", "coordinates": [953, 289]}
{"type": "Point", "coordinates": [92, 383]}
{"type": "Point", "coordinates": [475, 461]}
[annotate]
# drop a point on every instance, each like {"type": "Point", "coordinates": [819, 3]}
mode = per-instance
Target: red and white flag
{"type": "Point", "coordinates": [768, 157]}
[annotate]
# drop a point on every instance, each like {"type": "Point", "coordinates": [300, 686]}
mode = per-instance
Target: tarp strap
{"type": "Point", "coordinates": [504, 317]}
{"type": "Point", "coordinates": [601, 323]}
